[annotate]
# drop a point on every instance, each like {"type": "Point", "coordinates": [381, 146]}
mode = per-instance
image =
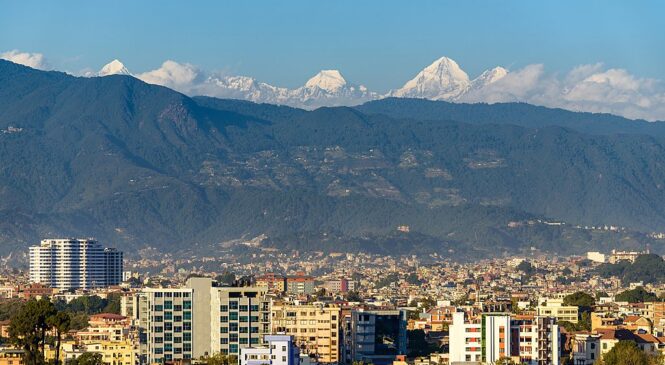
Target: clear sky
{"type": "Point", "coordinates": [378, 43]}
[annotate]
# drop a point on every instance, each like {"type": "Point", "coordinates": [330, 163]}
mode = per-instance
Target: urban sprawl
{"type": "Point", "coordinates": [83, 304]}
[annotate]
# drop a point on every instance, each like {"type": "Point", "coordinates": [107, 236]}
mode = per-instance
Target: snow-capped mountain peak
{"type": "Point", "coordinates": [114, 67]}
{"type": "Point", "coordinates": [489, 77]}
{"type": "Point", "coordinates": [329, 80]}
{"type": "Point", "coordinates": [443, 79]}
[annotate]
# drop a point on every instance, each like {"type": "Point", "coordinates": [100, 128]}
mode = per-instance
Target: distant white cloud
{"type": "Point", "coordinates": [34, 60]}
{"type": "Point", "coordinates": [179, 76]}
{"type": "Point", "coordinates": [589, 88]}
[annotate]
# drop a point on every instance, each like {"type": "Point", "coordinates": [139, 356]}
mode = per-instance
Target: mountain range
{"type": "Point", "coordinates": [139, 165]}
{"type": "Point", "coordinates": [442, 80]}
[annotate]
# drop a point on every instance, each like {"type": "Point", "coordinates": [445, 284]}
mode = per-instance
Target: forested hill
{"type": "Point", "coordinates": [136, 164]}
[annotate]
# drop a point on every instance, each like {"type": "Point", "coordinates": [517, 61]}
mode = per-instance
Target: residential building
{"type": "Point", "coordinates": [315, 328]}
{"type": "Point", "coordinates": [585, 348]}
{"type": "Point", "coordinates": [300, 284]}
{"type": "Point", "coordinates": [74, 264]}
{"type": "Point", "coordinates": [377, 336]}
{"type": "Point", "coordinates": [489, 337]}
{"type": "Point", "coordinates": [555, 308]}
{"type": "Point", "coordinates": [274, 282]}
{"type": "Point", "coordinates": [279, 350]}
{"type": "Point", "coordinates": [166, 317]}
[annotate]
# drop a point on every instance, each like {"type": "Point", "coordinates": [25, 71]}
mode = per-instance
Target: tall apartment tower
{"type": "Point", "coordinates": [201, 319]}
{"type": "Point", "coordinates": [74, 264]}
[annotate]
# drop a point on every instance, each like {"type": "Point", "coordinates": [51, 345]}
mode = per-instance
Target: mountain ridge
{"type": "Point", "coordinates": [136, 164]}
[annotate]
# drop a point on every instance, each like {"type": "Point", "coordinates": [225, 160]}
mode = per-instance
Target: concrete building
{"type": "Point", "coordinates": [201, 319]}
{"type": "Point", "coordinates": [555, 308]}
{"type": "Point", "coordinates": [585, 348]}
{"type": "Point", "coordinates": [74, 264]}
{"type": "Point", "coordinates": [274, 282]}
{"type": "Point", "coordinates": [167, 321]}
{"type": "Point", "coordinates": [490, 337]}
{"type": "Point", "coordinates": [377, 336]}
{"type": "Point", "coordinates": [300, 284]}
{"type": "Point", "coordinates": [315, 328]}
{"type": "Point", "coordinates": [279, 350]}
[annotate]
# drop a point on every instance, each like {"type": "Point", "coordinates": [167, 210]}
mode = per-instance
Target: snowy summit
{"type": "Point", "coordinates": [114, 67]}
{"type": "Point", "coordinates": [328, 80]}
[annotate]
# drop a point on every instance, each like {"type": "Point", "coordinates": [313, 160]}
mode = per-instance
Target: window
{"type": "Point", "coordinates": [244, 330]}
{"type": "Point", "coordinates": [233, 337]}
{"type": "Point", "coordinates": [187, 316]}
{"type": "Point", "coordinates": [187, 347]}
{"type": "Point", "coordinates": [177, 307]}
{"type": "Point", "coordinates": [168, 316]}
{"type": "Point", "coordinates": [177, 339]}
{"type": "Point", "coordinates": [224, 341]}
{"type": "Point", "coordinates": [254, 308]}
{"type": "Point", "coordinates": [168, 304]}
{"type": "Point", "coordinates": [159, 351]}
{"type": "Point", "coordinates": [253, 330]}
{"type": "Point", "coordinates": [244, 318]}
{"type": "Point", "coordinates": [233, 305]}
{"type": "Point", "coordinates": [253, 341]}
{"type": "Point", "coordinates": [187, 337]}
{"type": "Point", "coordinates": [233, 348]}
{"type": "Point", "coordinates": [233, 316]}
{"type": "Point", "coordinates": [233, 327]}
{"type": "Point", "coordinates": [168, 295]}
{"type": "Point", "coordinates": [244, 341]}
{"type": "Point", "coordinates": [254, 318]}
{"type": "Point", "coordinates": [223, 330]}
{"type": "Point", "coordinates": [168, 337]}
{"type": "Point", "coordinates": [177, 318]}
{"type": "Point", "coordinates": [158, 295]}
{"type": "Point", "coordinates": [223, 308]}
{"type": "Point", "coordinates": [177, 329]}
{"type": "Point", "coordinates": [224, 319]}
{"type": "Point", "coordinates": [158, 308]}
{"type": "Point", "coordinates": [187, 304]}
{"type": "Point", "coordinates": [244, 308]}
{"type": "Point", "coordinates": [158, 329]}
{"type": "Point", "coordinates": [187, 326]}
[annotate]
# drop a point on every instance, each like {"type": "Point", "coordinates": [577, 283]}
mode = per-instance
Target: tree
{"type": "Point", "coordinates": [582, 300]}
{"type": "Point", "coordinates": [526, 267]}
{"type": "Point", "coordinates": [626, 353]}
{"type": "Point", "coordinates": [88, 358]}
{"type": "Point", "coordinates": [60, 322]}
{"type": "Point", "coordinates": [28, 329]}
{"type": "Point", "coordinates": [637, 295]}
{"type": "Point", "coordinates": [505, 361]}
{"type": "Point", "coordinates": [220, 359]}
{"type": "Point", "coordinates": [354, 296]}
{"type": "Point", "coordinates": [112, 303]}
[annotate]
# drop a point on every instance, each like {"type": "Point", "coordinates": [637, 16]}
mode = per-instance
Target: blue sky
{"type": "Point", "coordinates": [378, 43]}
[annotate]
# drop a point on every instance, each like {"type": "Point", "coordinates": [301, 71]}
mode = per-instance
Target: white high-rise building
{"type": "Point", "coordinates": [74, 264]}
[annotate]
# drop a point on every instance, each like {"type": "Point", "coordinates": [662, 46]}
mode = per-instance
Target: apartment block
{"type": "Point", "coordinates": [315, 328]}
{"type": "Point", "coordinates": [376, 336]}
{"type": "Point", "coordinates": [279, 350]}
{"type": "Point", "coordinates": [74, 264]}
{"type": "Point", "coordinates": [490, 337]}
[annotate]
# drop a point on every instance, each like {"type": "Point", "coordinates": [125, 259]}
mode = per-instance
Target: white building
{"type": "Point", "coordinates": [74, 264]}
{"type": "Point", "coordinates": [280, 350]}
{"type": "Point", "coordinates": [490, 337]}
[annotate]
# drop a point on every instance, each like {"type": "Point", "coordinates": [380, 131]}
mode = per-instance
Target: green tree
{"type": "Point", "coordinates": [112, 303]}
{"type": "Point", "coordinates": [637, 295]}
{"type": "Point", "coordinates": [505, 361]}
{"type": "Point", "coordinates": [88, 358]}
{"type": "Point", "coordinates": [220, 359]}
{"type": "Point", "coordinates": [60, 322]}
{"type": "Point", "coordinates": [354, 296]}
{"type": "Point", "coordinates": [28, 329]}
{"type": "Point", "coordinates": [626, 353]}
{"type": "Point", "coordinates": [582, 300]}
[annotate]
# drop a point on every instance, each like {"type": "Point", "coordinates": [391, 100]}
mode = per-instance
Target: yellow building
{"type": "Point", "coordinates": [113, 352]}
{"type": "Point", "coordinates": [316, 329]}
{"type": "Point", "coordinates": [11, 357]}
{"type": "Point", "coordinates": [555, 308]}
